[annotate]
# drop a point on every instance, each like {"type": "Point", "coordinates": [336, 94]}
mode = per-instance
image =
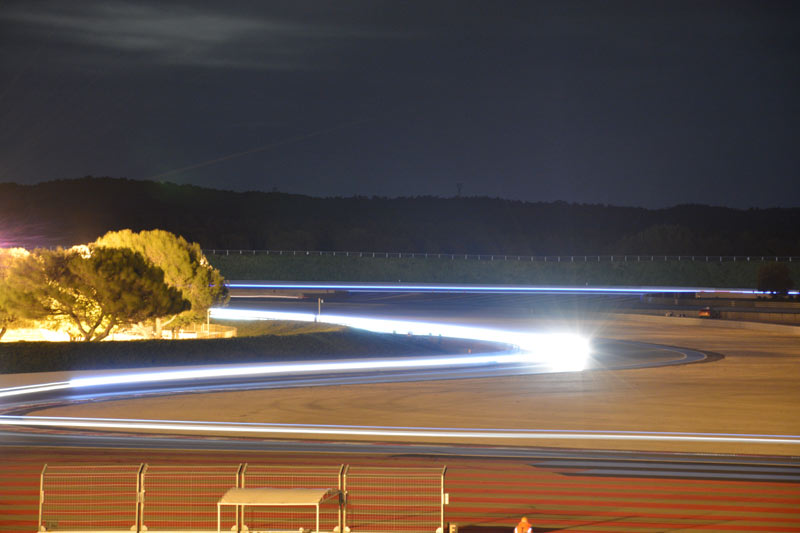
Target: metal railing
{"type": "Point", "coordinates": [576, 258]}
{"type": "Point", "coordinates": [141, 498]}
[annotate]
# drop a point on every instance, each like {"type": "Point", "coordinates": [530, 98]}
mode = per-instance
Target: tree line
{"type": "Point", "coordinates": [146, 281]}
{"type": "Point", "coordinates": [46, 214]}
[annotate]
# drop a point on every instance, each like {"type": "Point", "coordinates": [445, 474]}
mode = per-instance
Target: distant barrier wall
{"type": "Point", "coordinates": [140, 498]}
{"type": "Point", "coordinates": [640, 258]}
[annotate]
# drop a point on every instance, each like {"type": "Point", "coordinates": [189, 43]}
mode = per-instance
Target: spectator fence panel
{"type": "Point", "coordinates": [382, 500]}
{"type": "Point", "coordinates": [292, 477]}
{"type": "Point", "coordinates": [89, 498]}
{"type": "Point", "coordinates": [181, 498]}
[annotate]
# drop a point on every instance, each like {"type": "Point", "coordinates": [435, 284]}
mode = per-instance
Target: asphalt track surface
{"type": "Point", "coordinates": [576, 490]}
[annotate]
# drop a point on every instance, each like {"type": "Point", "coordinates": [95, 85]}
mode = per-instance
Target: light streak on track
{"type": "Point", "coordinates": [561, 351]}
{"type": "Point", "coordinates": [554, 352]}
{"type": "Point", "coordinates": [481, 289]}
{"type": "Point", "coordinates": [388, 431]}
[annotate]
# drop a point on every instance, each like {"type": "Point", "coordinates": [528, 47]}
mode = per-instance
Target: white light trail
{"type": "Point", "coordinates": [562, 351]}
{"type": "Point", "coordinates": [554, 352]}
{"type": "Point", "coordinates": [388, 431]}
{"type": "Point", "coordinates": [30, 389]}
{"type": "Point", "coordinates": [520, 289]}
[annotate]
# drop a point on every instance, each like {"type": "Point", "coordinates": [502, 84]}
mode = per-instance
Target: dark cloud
{"type": "Point", "coordinates": [191, 34]}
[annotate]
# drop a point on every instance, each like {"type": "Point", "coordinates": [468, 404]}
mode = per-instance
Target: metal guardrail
{"type": "Point", "coordinates": [142, 498]}
{"type": "Point", "coordinates": [639, 258]}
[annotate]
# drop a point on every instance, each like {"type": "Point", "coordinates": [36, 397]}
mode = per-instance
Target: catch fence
{"type": "Point", "coordinates": [140, 498]}
{"type": "Point", "coordinates": [575, 258]}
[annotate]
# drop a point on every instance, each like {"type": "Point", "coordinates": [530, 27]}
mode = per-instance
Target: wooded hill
{"type": "Point", "coordinates": [66, 212]}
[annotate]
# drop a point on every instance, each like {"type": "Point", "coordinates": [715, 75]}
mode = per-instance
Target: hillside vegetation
{"type": "Point", "coordinates": [67, 212]}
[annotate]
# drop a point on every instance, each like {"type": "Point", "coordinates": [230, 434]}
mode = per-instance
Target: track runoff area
{"type": "Point", "coordinates": [569, 490]}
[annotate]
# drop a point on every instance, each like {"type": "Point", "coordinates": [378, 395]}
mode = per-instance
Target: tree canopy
{"type": "Point", "coordinates": [8, 316]}
{"type": "Point", "coordinates": [184, 264]}
{"type": "Point", "coordinates": [88, 292]}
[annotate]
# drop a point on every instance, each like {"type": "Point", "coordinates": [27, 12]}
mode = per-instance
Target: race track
{"type": "Point", "coordinates": [745, 392]}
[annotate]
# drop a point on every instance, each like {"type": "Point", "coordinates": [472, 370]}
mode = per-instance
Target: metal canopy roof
{"type": "Point", "coordinates": [277, 496]}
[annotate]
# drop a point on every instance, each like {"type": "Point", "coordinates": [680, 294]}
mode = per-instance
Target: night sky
{"type": "Point", "coordinates": [627, 103]}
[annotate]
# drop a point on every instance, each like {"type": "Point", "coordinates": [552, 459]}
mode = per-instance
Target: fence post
{"type": "Point", "coordinates": [140, 498]}
{"type": "Point", "coordinates": [342, 497]}
{"type": "Point", "coordinates": [344, 512]}
{"type": "Point", "coordinates": [41, 498]}
{"type": "Point", "coordinates": [441, 517]}
{"type": "Point", "coordinates": [239, 508]}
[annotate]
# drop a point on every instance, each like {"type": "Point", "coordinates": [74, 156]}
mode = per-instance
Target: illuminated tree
{"type": "Point", "coordinates": [185, 268]}
{"type": "Point", "coordinates": [90, 292]}
{"type": "Point", "coordinates": [8, 316]}
{"type": "Point", "coordinates": [774, 278]}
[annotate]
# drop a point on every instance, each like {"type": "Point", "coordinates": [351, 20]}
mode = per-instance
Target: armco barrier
{"type": "Point", "coordinates": [140, 498]}
{"type": "Point", "coordinates": [89, 498]}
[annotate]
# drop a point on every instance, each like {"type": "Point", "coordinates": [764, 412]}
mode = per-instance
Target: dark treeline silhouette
{"type": "Point", "coordinates": [66, 212]}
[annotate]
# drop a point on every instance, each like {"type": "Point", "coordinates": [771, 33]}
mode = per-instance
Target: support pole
{"type": "Point", "coordinates": [39, 525]}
